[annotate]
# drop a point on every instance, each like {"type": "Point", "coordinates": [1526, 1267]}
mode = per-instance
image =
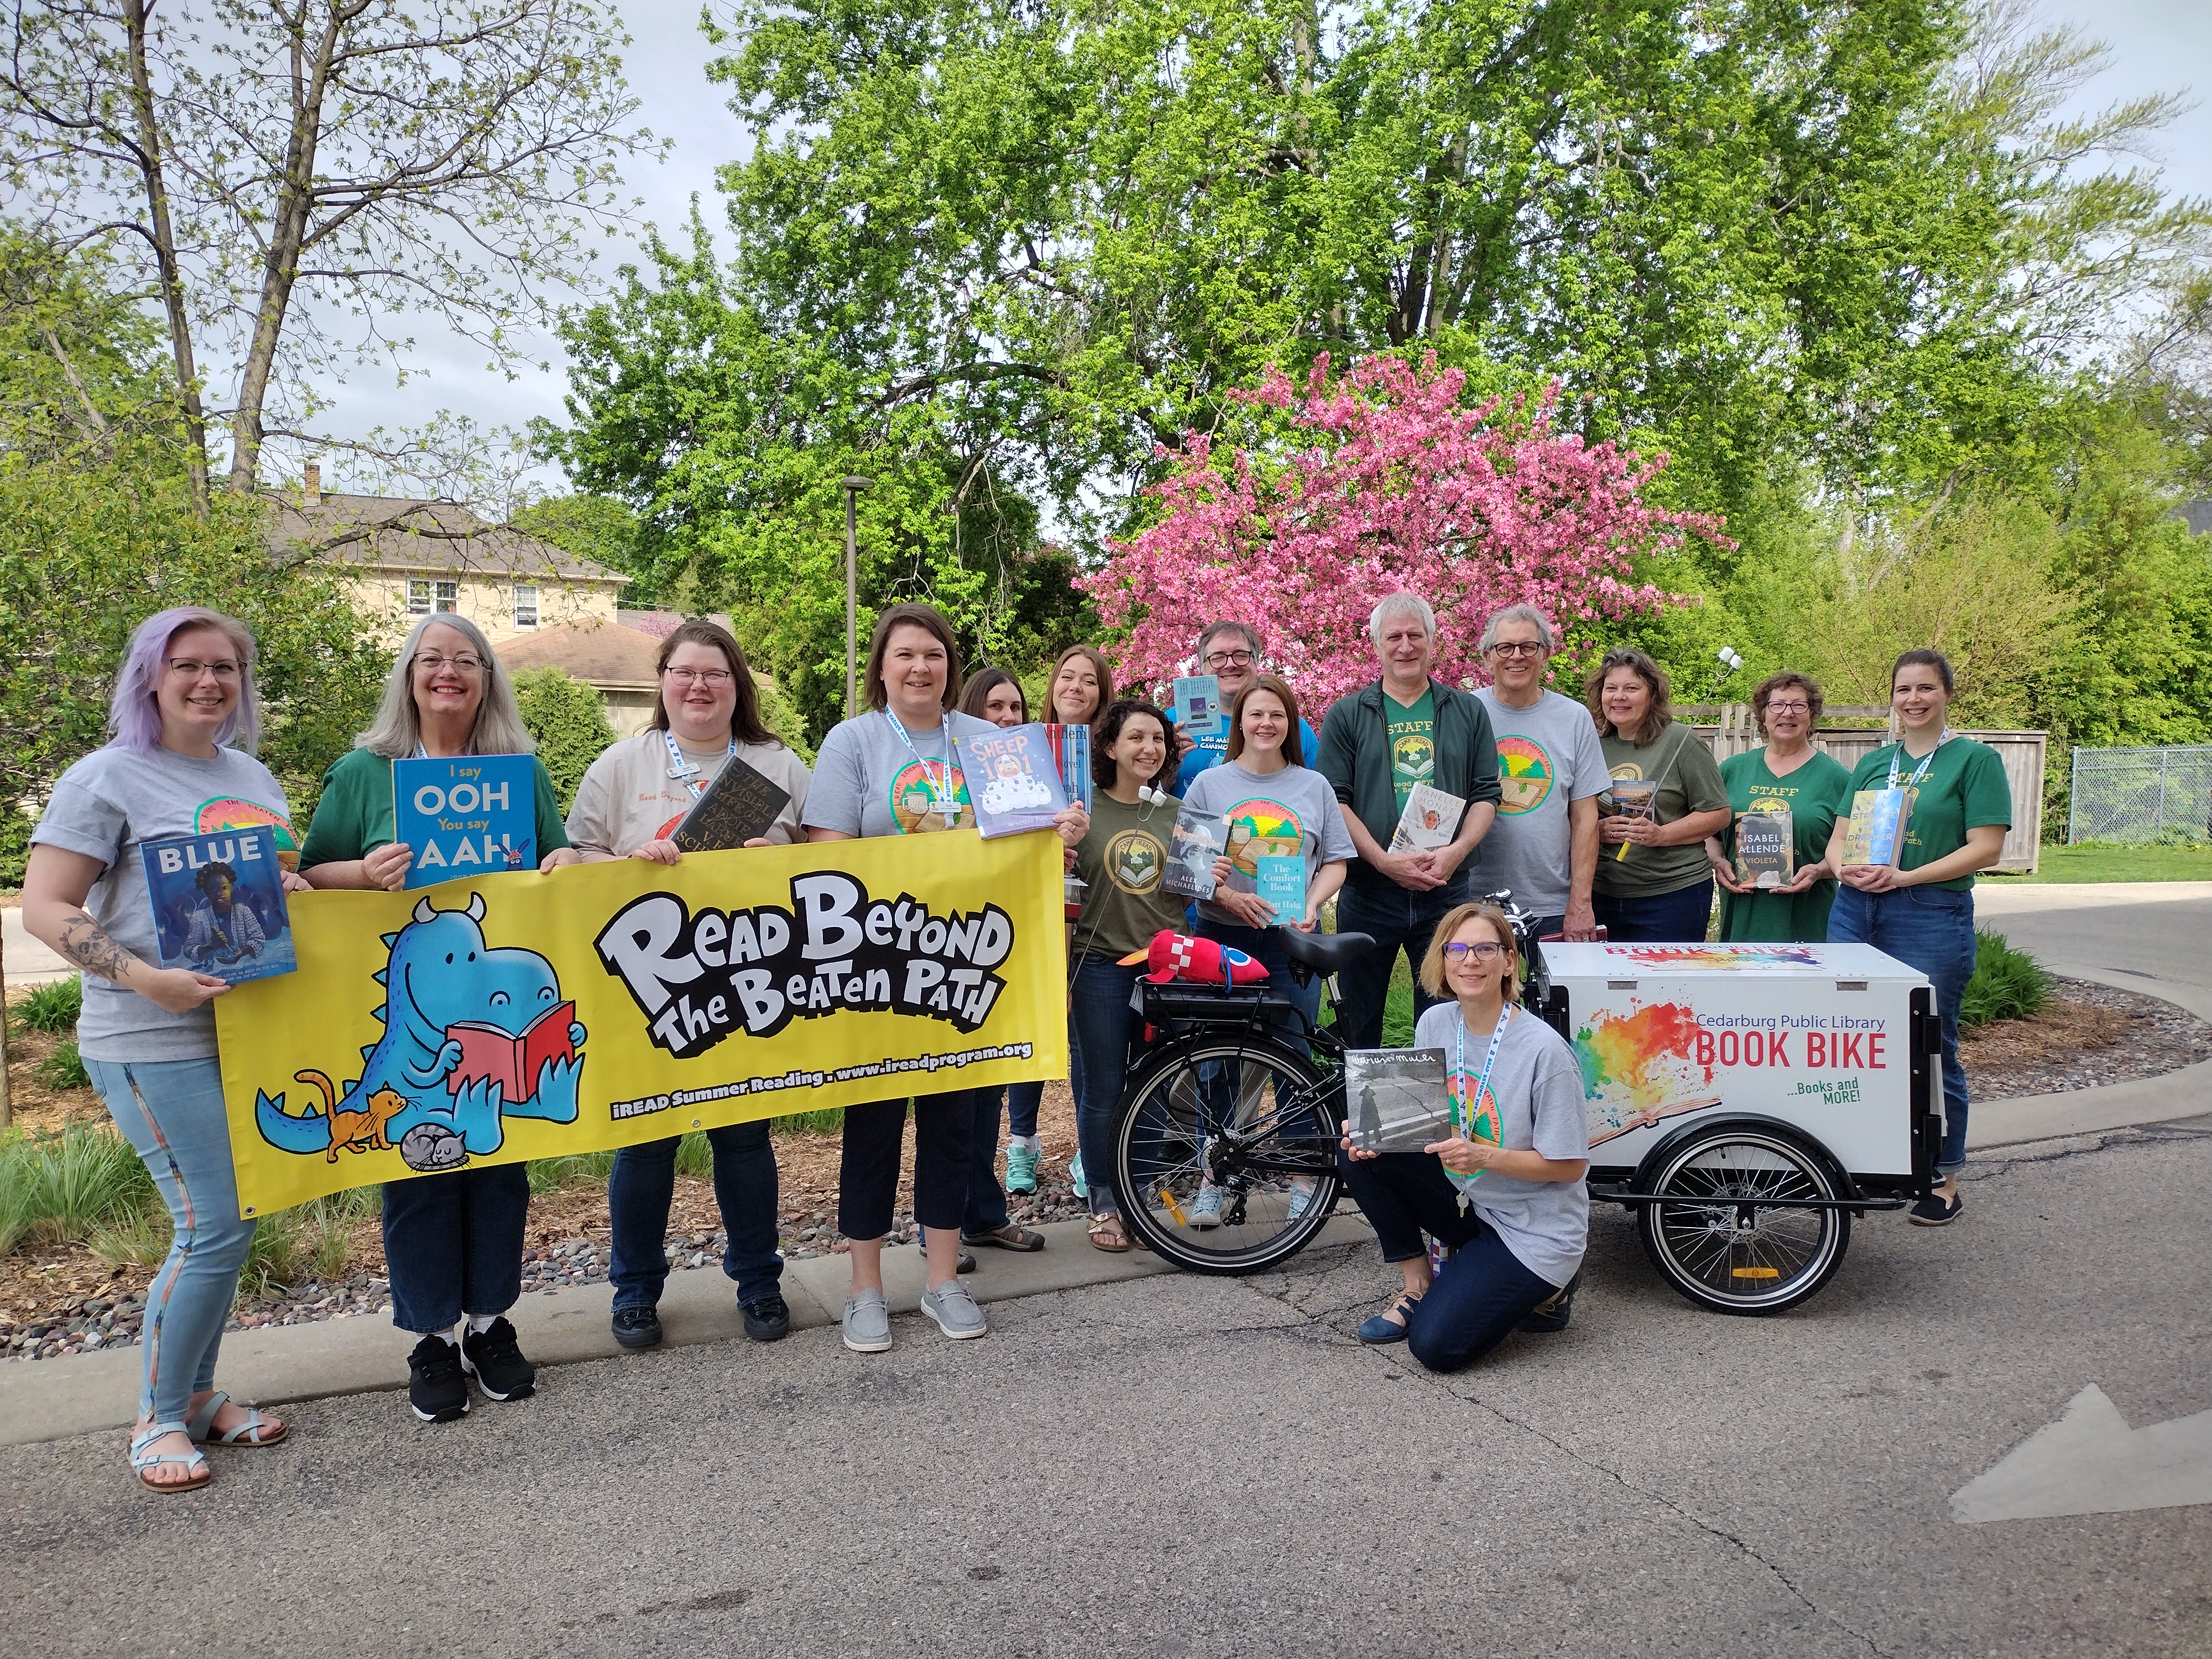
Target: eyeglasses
{"type": "Point", "coordinates": [1227, 659]}
{"type": "Point", "coordinates": [712, 678]}
{"type": "Point", "coordinates": [1455, 950]}
{"type": "Point", "coordinates": [1790, 708]}
{"type": "Point", "coordinates": [467, 662]}
{"type": "Point", "coordinates": [186, 668]}
{"type": "Point", "coordinates": [1516, 648]}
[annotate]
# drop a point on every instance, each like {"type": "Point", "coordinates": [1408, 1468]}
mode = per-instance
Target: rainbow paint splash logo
{"type": "Point", "coordinates": [1641, 1067]}
{"type": "Point", "coordinates": [1717, 956]}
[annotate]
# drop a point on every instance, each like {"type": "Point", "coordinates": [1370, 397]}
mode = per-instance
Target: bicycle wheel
{"type": "Point", "coordinates": [1732, 1255]}
{"type": "Point", "coordinates": [1225, 1152]}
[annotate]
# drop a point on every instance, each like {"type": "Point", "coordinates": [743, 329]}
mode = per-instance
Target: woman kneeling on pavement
{"type": "Point", "coordinates": [628, 806]}
{"type": "Point", "coordinates": [1504, 1193]}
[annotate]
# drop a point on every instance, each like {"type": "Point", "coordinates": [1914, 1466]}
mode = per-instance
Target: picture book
{"type": "Point", "coordinates": [740, 805]}
{"type": "Point", "coordinates": [1193, 844]}
{"type": "Point", "coordinates": [1429, 821]}
{"type": "Point", "coordinates": [1281, 879]}
{"type": "Point", "coordinates": [1396, 1100]}
{"type": "Point", "coordinates": [1013, 780]}
{"type": "Point", "coordinates": [1877, 832]}
{"type": "Point", "coordinates": [1070, 748]}
{"type": "Point", "coordinates": [219, 903]}
{"type": "Point", "coordinates": [1765, 849]}
{"type": "Point", "coordinates": [512, 1062]}
{"type": "Point", "coordinates": [1634, 797]}
{"type": "Point", "coordinates": [1198, 706]}
{"type": "Point", "coordinates": [466, 815]}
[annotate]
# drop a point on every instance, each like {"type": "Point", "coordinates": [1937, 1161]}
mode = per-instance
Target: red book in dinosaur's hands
{"type": "Point", "coordinates": [510, 1061]}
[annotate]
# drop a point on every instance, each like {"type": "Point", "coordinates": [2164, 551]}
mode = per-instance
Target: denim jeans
{"type": "Point", "coordinates": [1397, 920]}
{"type": "Point", "coordinates": [987, 1199]}
{"type": "Point", "coordinates": [453, 1244]}
{"type": "Point", "coordinates": [171, 1111]}
{"type": "Point", "coordinates": [1930, 928]}
{"type": "Point", "coordinates": [1106, 1029]}
{"type": "Point", "coordinates": [1023, 1100]}
{"type": "Point", "coordinates": [875, 1138]}
{"type": "Point", "coordinates": [1483, 1291]}
{"type": "Point", "coordinates": [1677, 917]}
{"type": "Point", "coordinates": [642, 1187]}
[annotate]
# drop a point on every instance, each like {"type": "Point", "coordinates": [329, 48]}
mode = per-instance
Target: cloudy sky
{"type": "Point", "coordinates": [2158, 46]}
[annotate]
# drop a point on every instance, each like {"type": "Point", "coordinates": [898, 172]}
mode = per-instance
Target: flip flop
{"type": "Point", "coordinates": [248, 1433]}
{"type": "Point", "coordinates": [145, 1461]}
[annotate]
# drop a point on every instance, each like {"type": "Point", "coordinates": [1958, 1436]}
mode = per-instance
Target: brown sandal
{"type": "Point", "coordinates": [1108, 1234]}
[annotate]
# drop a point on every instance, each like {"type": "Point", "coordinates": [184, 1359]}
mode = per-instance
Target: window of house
{"type": "Point", "coordinates": [449, 596]}
{"type": "Point", "coordinates": [525, 604]}
{"type": "Point", "coordinates": [418, 598]}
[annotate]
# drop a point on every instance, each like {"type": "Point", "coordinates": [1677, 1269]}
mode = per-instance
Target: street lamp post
{"type": "Point", "coordinates": [851, 488]}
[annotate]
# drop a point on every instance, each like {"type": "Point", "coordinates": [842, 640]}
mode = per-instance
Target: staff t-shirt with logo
{"type": "Point", "coordinates": [1122, 862]}
{"type": "Point", "coordinates": [1965, 789]}
{"type": "Point", "coordinates": [1549, 757]}
{"type": "Point", "coordinates": [869, 780]}
{"type": "Point", "coordinates": [1293, 811]}
{"type": "Point", "coordinates": [1412, 733]}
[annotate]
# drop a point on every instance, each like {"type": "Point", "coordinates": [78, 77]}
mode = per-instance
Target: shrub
{"type": "Point", "coordinates": [2007, 984]}
{"type": "Point", "coordinates": [51, 1007]}
{"type": "Point", "coordinates": [72, 1185]}
{"type": "Point", "coordinates": [569, 722]}
{"type": "Point", "coordinates": [64, 1068]}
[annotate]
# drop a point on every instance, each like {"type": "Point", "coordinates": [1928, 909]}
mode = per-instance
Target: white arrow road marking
{"type": "Point", "coordinates": [2090, 1462]}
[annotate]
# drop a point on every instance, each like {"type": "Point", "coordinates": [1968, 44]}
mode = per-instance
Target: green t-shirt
{"type": "Point", "coordinates": [1413, 734]}
{"type": "Point", "coordinates": [1965, 788]}
{"type": "Point", "coordinates": [354, 815]}
{"type": "Point", "coordinates": [1688, 782]}
{"type": "Point", "coordinates": [1814, 794]}
{"type": "Point", "coordinates": [1122, 860]}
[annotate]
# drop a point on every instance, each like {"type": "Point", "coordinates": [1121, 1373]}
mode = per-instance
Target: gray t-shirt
{"type": "Point", "coordinates": [1548, 755]}
{"type": "Point", "coordinates": [870, 781]}
{"type": "Point", "coordinates": [1269, 814]}
{"type": "Point", "coordinates": [1536, 1100]}
{"type": "Point", "coordinates": [103, 807]}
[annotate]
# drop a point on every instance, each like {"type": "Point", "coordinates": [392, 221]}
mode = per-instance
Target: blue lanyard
{"type": "Point", "coordinates": [941, 801]}
{"type": "Point", "coordinates": [1926, 761]}
{"type": "Point", "coordinates": [1464, 1112]}
{"type": "Point", "coordinates": [684, 770]}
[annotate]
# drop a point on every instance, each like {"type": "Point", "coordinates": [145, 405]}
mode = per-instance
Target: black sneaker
{"type": "Point", "coordinates": [637, 1327]}
{"type": "Point", "coordinates": [492, 1358]}
{"type": "Point", "coordinates": [435, 1387]}
{"type": "Point", "coordinates": [767, 1320]}
{"type": "Point", "coordinates": [1933, 1211]}
{"type": "Point", "coordinates": [1553, 1315]}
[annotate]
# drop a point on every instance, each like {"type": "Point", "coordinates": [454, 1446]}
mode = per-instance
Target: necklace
{"type": "Point", "coordinates": [1465, 1112]}
{"type": "Point", "coordinates": [683, 767]}
{"type": "Point", "coordinates": [942, 801]}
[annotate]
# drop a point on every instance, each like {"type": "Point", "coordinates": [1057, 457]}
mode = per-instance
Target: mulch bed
{"type": "Point", "coordinates": [2090, 1036]}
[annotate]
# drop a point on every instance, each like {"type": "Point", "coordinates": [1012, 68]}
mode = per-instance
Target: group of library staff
{"type": "Point", "coordinates": [899, 752]}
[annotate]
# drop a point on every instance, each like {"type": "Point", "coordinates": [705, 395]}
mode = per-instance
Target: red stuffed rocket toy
{"type": "Point", "coordinates": [1202, 961]}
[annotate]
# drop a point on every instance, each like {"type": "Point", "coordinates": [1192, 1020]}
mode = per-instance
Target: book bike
{"type": "Point", "coordinates": [1743, 1170]}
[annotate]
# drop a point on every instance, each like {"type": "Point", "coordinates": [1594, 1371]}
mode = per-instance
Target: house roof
{"type": "Point", "coordinates": [606, 654]}
{"type": "Point", "coordinates": [386, 533]}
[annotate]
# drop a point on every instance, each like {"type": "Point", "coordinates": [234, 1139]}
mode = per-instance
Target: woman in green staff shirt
{"type": "Point", "coordinates": [1921, 909]}
{"type": "Point", "coordinates": [1789, 776]}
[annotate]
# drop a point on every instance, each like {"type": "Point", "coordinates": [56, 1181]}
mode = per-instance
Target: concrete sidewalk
{"type": "Point", "coordinates": [29, 961]}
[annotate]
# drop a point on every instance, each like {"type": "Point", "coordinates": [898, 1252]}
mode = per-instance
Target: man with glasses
{"type": "Point", "coordinates": [1230, 650]}
{"type": "Point", "coordinates": [1551, 770]}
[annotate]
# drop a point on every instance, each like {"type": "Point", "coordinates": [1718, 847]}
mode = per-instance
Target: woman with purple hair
{"type": "Point", "coordinates": [183, 724]}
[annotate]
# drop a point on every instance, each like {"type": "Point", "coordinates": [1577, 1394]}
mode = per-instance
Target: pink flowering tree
{"type": "Point", "coordinates": [1378, 481]}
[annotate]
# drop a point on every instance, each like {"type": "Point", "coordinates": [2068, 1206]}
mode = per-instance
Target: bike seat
{"type": "Point", "coordinates": [1325, 953]}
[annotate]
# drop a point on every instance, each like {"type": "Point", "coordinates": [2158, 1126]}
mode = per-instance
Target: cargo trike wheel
{"type": "Point", "coordinates": [1732, 1247]}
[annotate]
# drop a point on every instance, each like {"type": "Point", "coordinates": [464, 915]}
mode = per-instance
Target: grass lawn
{"type": "Point", "coordinates": [2091, 861]}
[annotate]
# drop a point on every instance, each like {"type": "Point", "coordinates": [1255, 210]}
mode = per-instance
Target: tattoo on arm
{"type": "Point", "coordinates": [86, 944]}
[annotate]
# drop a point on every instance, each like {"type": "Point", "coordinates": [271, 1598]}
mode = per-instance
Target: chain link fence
{"type": "Point", "coordinates": [2141, 795]}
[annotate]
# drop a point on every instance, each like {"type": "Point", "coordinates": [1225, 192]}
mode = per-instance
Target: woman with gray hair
{"type": "Point", "coordinates": [453, 1243]}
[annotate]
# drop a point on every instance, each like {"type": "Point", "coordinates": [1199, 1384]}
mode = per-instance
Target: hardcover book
{"type": "Point", "coordinates": [1396, 1100]}
{"type": "Point", "coordinates": [466, 815]}
{"type": "Point", "coordinates": [219, 904]}
{"type": "Point", "coordinates": [1765, 849]}
{"type": "Point", "coordinates": [1198, 705]}
{"type": "Point", "coordinates": [1636, 798]}
{"type": "Point", "coordinates": [1279, 879]}
{"type": "Point", "coordinates": [512, 1062]}
{"type": "Point", "coordinates": [1429, 821]}
{"type": "Point", "coordinates": [1013, 780]}
{"type": "Point", "coordinates": [740, 805]}
{"type": "Point", "coordinates": [1193, 844]}
{"type": "Point", "coordinates": [1877, 833]}
{"type": "Point", "coordinates": [1070, 750]}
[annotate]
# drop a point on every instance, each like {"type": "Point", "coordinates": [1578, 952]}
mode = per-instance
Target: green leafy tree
{"type": "Point", "coordinates": [570, 723]}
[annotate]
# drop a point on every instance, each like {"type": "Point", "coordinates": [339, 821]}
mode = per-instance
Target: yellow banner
{"type": "Point", "coordinates": [522, 1016]}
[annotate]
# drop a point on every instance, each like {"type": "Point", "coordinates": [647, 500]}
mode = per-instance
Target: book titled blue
{"type": "Point", "coordinates": [219, 904]}
{"type": "Point", "coordinates": [466, 815]}
{"type": "Point", "coordinates": [1279, 879]}
{"type": "Point", "coordinates": [1198, 705]}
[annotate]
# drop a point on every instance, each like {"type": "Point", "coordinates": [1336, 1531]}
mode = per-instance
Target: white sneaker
{"type": "Point", "coordinates": [1205, 1209]}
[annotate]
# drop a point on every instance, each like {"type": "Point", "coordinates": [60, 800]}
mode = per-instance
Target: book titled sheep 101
{"type": "Point", "coordinates": [1012, 779]}
{"type": "Point", "coordinates": [219, 903]}
{"type": "Point", "coordinates": [1070, 748]}
{"type": "Point", "coordinates": [1765, 849]}
{"type": "Point", "coordinates": [1876, 836]}
{"type": "Point", "coordinates": [1198, 705]}
{"type": "Point", "coordinates": [1395, 1099]}
{"type": "Point", "coordinates": [466, 815]}
{"type": "Point", "coordinates": [741, 804]}
{"type": "Point", "coordinates": [1193, 844]}
{"type": "Point", "coordinates": [1279, 879]}
{"type": "Point", "coordinates": [1429, 821]}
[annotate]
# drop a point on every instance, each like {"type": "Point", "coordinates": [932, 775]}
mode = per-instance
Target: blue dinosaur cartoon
{"type": "Point", "coordinates": [442, 985]}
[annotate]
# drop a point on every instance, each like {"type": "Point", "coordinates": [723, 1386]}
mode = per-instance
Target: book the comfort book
{"type": "Point", "coordinates": [1279, 879]}
{"type": "Point", "coordinates": [219, 903]}
{"type": "Point", "coordinates": [1193, 845]}
{"type": "Point", "coordinates": [1765, 851]}
{"type": "Point", "coordinates": [1012, 779]}
{"type": "Point", "coordinates": [1396, 1100]}
{"type": "Point", "coordinates": [1429, 821]}
{"type": "Point", "coordinates": [1877, 834]}
{"type": "Point", "coordinates": [740, 805]}
{"type": "Point", "coordinates": [1198, 705]}
{"type": "Point", "coordinates": [466, 815]}
{"type": "Point", "coordinates": [511, 1060]}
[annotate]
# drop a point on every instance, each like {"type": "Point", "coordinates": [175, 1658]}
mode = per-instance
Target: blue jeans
{"type": "Point", "coordinates": [453, 1244]}
{"type": "Point", "coordinates": [1023, 1100]}
{"type": "Point", "coordinates": [1677, 917]}
{"type": "Point", "coordinates": [1397, 920]}
{"type": "Point", "coordinates": [642, 1187]}
{"type": "Point", "coordinates": [1106, 1029]}
{"type": "Point", "coordinates": [171, 1111]}
{"type": "Point", "coordinates": [1930, 928]}
{"type": "Point", "coordinates": [987, 1199]}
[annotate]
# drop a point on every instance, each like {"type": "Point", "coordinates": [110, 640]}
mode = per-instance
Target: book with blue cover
{"type": "Point", "coordinates": [1281, 879]}
{"type": "Point", "coordinates": [1011, 779]}
{"type": "Point", "coordinates": [219, 903]}
{"type": "Point", "coordinates": [1198, 705]}
{"type": "Point", "coordinates": [466, 815]}
{"type": "Point", "coordinates": [1876, 836]}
